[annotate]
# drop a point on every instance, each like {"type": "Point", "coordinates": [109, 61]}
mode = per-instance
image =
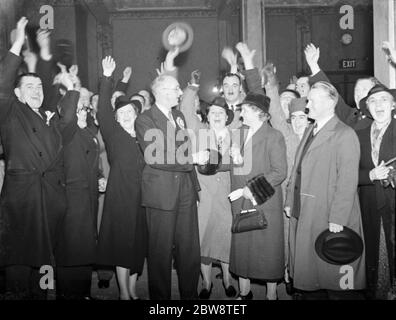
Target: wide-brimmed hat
{"type": "Point", "coordinates": [261, 101]}
{"type": "Point", "coordinates": [210, 168]}
{"type": "Point", "coordinates": [183, 41]}
{"type": "Point", "coordinates": [339, 248]}
{"type": "Point", "coordinates": [377, 88]}
{"type": "Point", "coordinates": [221, 102]}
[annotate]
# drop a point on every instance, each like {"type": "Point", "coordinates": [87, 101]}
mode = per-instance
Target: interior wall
{"type": "Point", "coordinates": [289, 30]}
{"type": "Point", "coordinates": [138, 43]}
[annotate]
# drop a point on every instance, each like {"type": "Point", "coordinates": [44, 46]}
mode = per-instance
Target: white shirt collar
{"type": "Point", "coordinates": [322, 122]}
{"type": "Point", "coordinates": [164, 110]}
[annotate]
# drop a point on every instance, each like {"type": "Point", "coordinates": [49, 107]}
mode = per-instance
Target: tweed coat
{"type": "Point", "coordinates": [329, 179]}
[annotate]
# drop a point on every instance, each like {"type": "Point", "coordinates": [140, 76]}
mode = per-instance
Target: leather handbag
{"type": "Point", "coordinates": [249, 220]}
{"type": "Point", "coordinates": [253, 219]}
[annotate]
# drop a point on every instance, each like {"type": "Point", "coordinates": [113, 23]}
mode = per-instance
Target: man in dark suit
{"type": "Point", "coordinates": [170, 193]}
{"type": "Point", "coordinates": [33, 198]}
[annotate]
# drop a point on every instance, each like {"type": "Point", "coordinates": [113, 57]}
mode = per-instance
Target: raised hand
{"type": "Point", "coordinates": [195, 77]}
{"type": "Point", "coordinates": [43, 38]}
{"type": "Point", "coordinates": [169, 63]}
{"type": "Point", "coordinates": [247, 55]}
{"type": "Point", "coordinates": [66, 80]}
{"type": "Point", "coordinates": [127, 74]}
{"type": "Point", "coordinates": [30, 59]}
{"type": "Point", "coordinates": [19, 34]}
{"type": "Point", "coordinates": [232, 59]}
{"type": "Point", "coordinates": [20, 31]}
{"type": "Point", "coordinates": [268, 74]}
{"type": "Point", "coordinates": [109, 66]}
{"type": "Point", "coordinates": [44, 42]}
{"type": "Point", "coordinates": [312, 55]}
{"type": "Point", "coordinates": [390, 52]}
{"type": "Point", "coordinates": [74, 70]}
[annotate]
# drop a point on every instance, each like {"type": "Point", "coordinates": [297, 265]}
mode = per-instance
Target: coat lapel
{"type": "Point", "coordinates": [324, 134]}
{"type": "Point", "coordinates": [387, 149]}
{"type": "Point", "coordinates": [304, 139]}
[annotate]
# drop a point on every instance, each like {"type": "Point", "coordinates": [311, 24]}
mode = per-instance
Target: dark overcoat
{"type": "Point", "coordinates": [78, 235]}
{"type": "Point", "coordinates": [32, 201]}
{"type": "Point", "coordinates": [376, 201]}
{"type": "Point", "coordinates": [123, 231]}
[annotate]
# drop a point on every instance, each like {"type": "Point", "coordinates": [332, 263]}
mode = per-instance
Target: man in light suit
{"type": "Point", "coordinates": [170, 194]}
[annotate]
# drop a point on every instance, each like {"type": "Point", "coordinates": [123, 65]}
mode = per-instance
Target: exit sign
{"type": "Point", "coordinates": [348, 64]}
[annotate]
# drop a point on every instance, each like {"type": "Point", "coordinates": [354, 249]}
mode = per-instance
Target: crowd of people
{"type": "Point", "coordinates": [105, 181]}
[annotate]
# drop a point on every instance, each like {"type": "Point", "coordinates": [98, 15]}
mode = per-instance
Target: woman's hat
{"type": "Point", "coordinates": [210, 168]}
{"type": "Point", "coordinates": [298, 104]}
{"type": "Point", "coordinates": [123, 101]}
{"type": "Point", "coordinates": [377, 88]}
{"type": "Point", "coordinates": [178, 34]}
{"type": "Point", "coordinates": [339, 248]}
{"type": "Point", "coordinates": [220, 102]}
{"type": "Point", "coordinates": [261, 101]}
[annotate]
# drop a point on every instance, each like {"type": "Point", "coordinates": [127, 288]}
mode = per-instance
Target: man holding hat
{"type": "Point", "coordinates": [322, 195]}
{"type": "Point", "coordinates": [377, 192]}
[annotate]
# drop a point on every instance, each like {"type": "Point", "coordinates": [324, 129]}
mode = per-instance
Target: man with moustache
{"type": "Point", "coordinates": [232, 90]}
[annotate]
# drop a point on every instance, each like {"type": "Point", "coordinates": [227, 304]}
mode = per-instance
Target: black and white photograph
{"type": "Point", "coordinates": [207, 153]}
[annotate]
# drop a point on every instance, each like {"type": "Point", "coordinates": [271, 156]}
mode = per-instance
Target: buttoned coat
{"type": "Point", "coordinates": [33, 196]}
{"type": "Point", "coordinates": [329, 179]}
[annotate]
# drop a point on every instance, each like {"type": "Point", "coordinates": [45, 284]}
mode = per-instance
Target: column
{"type": "Point", "coordinates": [253, 28]}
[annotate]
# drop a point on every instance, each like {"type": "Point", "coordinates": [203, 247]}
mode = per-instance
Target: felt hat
{"type": "Point", "coordinates": [377, 88]}
{"type": "Point", "coordinates": [210, 168]}
{"type": "Point", "coordinates": [178, 34]}
{"type": "Point", "coordinates": [261, 101]}
{"type": "Point", "coordinates": [339, 248]}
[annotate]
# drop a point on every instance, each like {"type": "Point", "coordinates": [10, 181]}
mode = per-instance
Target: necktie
{"type": "Point", "coordinates": [170, 117]}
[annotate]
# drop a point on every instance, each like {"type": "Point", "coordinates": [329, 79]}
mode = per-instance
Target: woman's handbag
{"type": "Point", "coordinates": [249, 220]}
{"type": "Point", "coordinates": [253, 219]}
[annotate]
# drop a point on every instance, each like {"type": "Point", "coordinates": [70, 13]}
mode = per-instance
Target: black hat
{"type": "Point", "coordinates": [297, 95]}
{"type": "Point", "coordinates": [210, 168]}
{"type": "Point", "coordinates": [339, 248]}
{"type": "Point", "coordinates": [123, 101]}
{"type": "Point", "coordinates": [220, 102]}
{"type": "Point", "coordinates": [261, 101]}
{"type": "Point", "coordinates": [377, 88]}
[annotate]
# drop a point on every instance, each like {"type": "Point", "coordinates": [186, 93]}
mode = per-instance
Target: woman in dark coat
{"type": "Point", "coordinates": [123, 231]}
{"type": "Point", "coordinates": [77, 244]}
{"type": "Point", "coordinates": [377, 199]}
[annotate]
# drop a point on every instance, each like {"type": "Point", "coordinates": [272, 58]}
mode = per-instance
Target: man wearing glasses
{"type": "Point", "coordinates": [169, 193]}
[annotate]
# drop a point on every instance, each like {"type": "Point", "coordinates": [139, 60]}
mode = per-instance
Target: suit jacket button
{"type": "Point", "coordinates": [40, 154]}
{"type": "Point", "coordinates": [176, 177]}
